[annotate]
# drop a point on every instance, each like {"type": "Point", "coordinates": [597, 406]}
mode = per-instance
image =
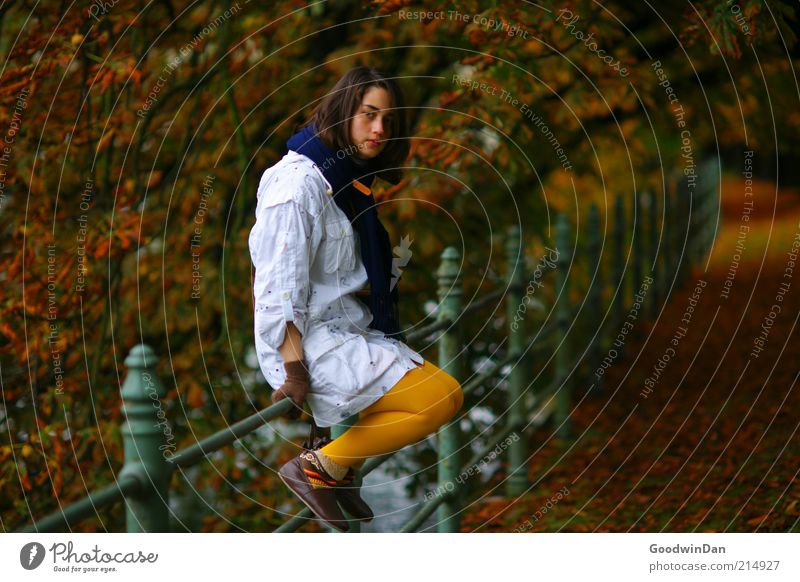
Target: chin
{"type": "Point", "coordinates": [368, 153]}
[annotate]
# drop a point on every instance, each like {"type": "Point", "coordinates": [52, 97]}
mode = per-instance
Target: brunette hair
{"type": "Point", "coordinates": [333, 114]}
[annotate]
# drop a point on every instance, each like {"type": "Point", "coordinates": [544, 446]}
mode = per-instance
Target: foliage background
{"type": "Point", "coordinates": [230, 91]}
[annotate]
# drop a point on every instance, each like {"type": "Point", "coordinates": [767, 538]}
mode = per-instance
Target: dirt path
{"type": "Point", "coordinates": [714, 444]}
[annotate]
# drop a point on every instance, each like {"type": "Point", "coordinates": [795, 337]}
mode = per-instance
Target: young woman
{"type": "Point", "coordinates": [326, 318]}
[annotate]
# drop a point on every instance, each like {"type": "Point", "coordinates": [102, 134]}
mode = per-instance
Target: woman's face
{"type": "Point", "coordinates": [371, 125]}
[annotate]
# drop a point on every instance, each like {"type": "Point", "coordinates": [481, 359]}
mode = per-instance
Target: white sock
{"type": "Point", "coordinates": [331, 467]}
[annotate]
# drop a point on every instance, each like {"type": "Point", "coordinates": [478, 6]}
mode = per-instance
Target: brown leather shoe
{"type": "Point", "coordinates": [349, 497]}
{"type": "Point", "coordinates": [311, 483]}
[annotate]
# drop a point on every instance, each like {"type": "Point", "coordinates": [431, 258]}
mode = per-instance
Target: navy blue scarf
{"type": "Point", "coordinates": [376, 249]}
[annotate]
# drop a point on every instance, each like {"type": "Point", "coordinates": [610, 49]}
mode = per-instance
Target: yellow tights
{"type": "Point", "coordinates": [422, 401]}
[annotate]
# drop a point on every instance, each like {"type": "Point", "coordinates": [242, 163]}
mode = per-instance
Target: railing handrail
{"type": "Point", "coordinates": [222, 438]}
{"type": "Point", "coordinates": [86, 506]}
{"type": "Point", "coordinates": [444, 323]}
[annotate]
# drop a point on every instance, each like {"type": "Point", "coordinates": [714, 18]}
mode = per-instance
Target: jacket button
{"type": "Point", "coordinates": [286, 295]}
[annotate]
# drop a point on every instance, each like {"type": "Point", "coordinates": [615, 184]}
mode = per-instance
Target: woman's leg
{"type": "Point", "coordinates": [422, 401]}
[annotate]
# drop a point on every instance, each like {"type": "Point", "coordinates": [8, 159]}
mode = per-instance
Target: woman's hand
{"type": "Point", "coordinates": [296, 387]}
{"type": "Point", "coordinates": [297, 383]}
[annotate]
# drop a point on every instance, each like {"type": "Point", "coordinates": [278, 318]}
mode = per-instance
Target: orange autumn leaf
{"type": "Point", "coordinates": [195, 397]}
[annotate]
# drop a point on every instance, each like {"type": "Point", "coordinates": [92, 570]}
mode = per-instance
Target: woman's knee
{"type": "Point", "coordinates": [457, 398]}
{"type": "Point", "coordinates": [451, 400]}
{"type": "Point", "coordinates": [455, 394]}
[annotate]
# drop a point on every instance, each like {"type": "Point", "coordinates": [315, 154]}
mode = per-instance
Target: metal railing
{"type": "Point", "coordinates": [143, 483]}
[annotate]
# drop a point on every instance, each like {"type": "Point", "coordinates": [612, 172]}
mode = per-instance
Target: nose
{"type": "Point", "coordinates": [377, 127]}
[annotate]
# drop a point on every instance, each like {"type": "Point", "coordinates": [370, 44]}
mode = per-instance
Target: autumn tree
{"type": "Point", "coordinates": [135, 137]}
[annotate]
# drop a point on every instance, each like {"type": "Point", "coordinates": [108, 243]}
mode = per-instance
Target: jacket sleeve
{"type": "Point", "coordinates": [280, 248]}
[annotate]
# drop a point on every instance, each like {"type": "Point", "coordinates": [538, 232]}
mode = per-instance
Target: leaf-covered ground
{"type": "Point", "coordinates": [714, 447]}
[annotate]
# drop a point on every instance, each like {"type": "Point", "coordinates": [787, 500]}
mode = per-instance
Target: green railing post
{"type": "Point", "coordinates": [563, 356]}
{"type": "Point", "coordinates": [595, 292]}
{"type": "Point", "coordinates": [517, 481]}
{"type": "Point", "coordinates": [683, 228]}
{"type": "Point", "coordinates": [636, 247]}
{"type": "Point", "coordinates": [669, 234]}
{"type": "Point", "coordinates": [698, 208]}
{"type": "Point", "coordinates": [699, 223]}
{"type": "Point", "coordinates": [338, 430]}
{"type": "Point", "coordinates": [144, 434]}
{"type": "Point", "coordinates": [714, 202]}
{"type": "Point", "coordinates": [709, 202]}
{"type": "Point", "coordinates": [691, 226]}
{"type": "Point", "coordinates": [619, 264]}
{"type": "Point", "coordinates": [448, 437]}
{"type": "Point", "coordinates": [619, 256]}
{"type": "Point", "coordinates": [659, 266]}
{"type": "Point", "coordinates": [653, 255]}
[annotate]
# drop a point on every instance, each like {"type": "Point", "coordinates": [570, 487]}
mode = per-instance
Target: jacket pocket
{"type": "Point", "coordinates": [335, 383]}
{"type": "Point", "coordinates": [339, 252]}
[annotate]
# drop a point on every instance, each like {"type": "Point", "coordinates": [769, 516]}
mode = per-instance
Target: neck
{"type": "Point", "coordinates": [340, 172]}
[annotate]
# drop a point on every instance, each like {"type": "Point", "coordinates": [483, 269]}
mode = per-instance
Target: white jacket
{"type": "Point", "coordinates": [308, 268]}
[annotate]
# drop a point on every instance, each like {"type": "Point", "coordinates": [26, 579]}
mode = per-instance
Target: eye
{"type": "Point", "coordinates": [370, 114]}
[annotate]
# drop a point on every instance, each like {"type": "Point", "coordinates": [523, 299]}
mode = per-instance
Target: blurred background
{"type": "Point", "coordinates": [135, 136]}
